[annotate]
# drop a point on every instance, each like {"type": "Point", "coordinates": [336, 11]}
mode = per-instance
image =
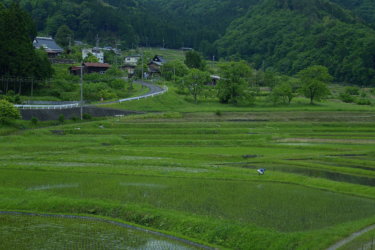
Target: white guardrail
{"type": "Point", "coordinates": [165, 89]}
{"type": "Point", "coordinates": [75, 105]}
{"type": "Point", "coordinates": [62, 106]}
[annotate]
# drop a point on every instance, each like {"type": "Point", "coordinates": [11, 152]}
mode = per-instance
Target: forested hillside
{"type": "Point", "coordinates": [362, 8]}
{"type": "Point", "coordinates": [290, 35]}
{"type": "Point", "coordinates": [284, 35]}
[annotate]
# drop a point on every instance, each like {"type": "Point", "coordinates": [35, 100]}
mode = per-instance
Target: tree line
{"type": "Point", "coordinates": [20, 64]}
{"type": "Point", "coordinates": [237, 83]}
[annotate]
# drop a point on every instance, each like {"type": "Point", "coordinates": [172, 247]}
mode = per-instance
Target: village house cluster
{"type": "Point", "coordinates": [129, 64]}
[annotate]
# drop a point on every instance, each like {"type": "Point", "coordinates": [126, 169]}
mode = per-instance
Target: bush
{"type": "Point", "coordinates": [87, 116]}
{"type": "Point", "coordinates": [345, 97]}
{"type": "Point", "coordinates": [117, 84]}
{"type": "Point", "coordinates": [218, 113]}
{"type": "Point", "coordinates": [8, 112]}
{"type": "Point", "coordinates": [98, 91]}
{"type": "Point", "coordinates": [61, 119]}
{"type": "Point", "coordinates": [11, 97]}
{"type": "Point", "coordinates": [74, 118]}
{"type": "Point", "coordinates": [352, 90]}
{"type": "Point", "coordinates": [363, 101]}
{"type": "Point", "coordinates": [34, 120]}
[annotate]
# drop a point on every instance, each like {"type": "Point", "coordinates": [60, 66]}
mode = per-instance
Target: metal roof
{"type": "Point", "coordinates": [48, 44]}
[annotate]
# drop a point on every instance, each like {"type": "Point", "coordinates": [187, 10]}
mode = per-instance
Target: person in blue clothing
{"type": "Point", "coordinates": [261, 171]}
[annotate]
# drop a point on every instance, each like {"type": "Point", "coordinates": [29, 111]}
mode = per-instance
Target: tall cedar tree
{"type": "Point", "coordinates": [18, 57]}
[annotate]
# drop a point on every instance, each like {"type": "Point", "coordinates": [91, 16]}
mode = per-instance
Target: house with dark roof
{"type": "Point", "coordinates": [49, 45]}
{"type": "Point", "coordinates": [88, 68]}
{"type": "Point", "coordinates": [155, 65]}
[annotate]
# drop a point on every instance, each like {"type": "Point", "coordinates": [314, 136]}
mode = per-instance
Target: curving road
{"type": "Point", "coordinates": [154, 90]}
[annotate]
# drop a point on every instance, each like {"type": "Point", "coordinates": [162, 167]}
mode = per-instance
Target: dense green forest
{"type": "Point", "coordinates": [19, 61]}
{"type": "Point", "coordinates": [290, 35]}
{"type": "Point", "coordinates": [280, 35]}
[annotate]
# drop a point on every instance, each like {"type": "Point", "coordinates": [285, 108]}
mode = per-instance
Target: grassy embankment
{"type": "Point", "coordinates": [194, 174]}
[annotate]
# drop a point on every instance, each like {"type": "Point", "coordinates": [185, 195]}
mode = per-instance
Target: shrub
{"type": "Point", "coordinates": [352, 90]}
{"type": "Point", "coordinates": [61, 119]}
{"type": "Point", "coordinates": [34, 120]}
{"type": "Point", "coordinates": [218, 113]}
{"type": "Point", "coordinates": [345, 97]}
{"type": "Point", "coordinates": [117, 84]}
{"type": "Point", "coordinates": [363, 101]}
{"type": "Point", "coordinates": [87, 116]}
{"type": "Point", "coordinates": [74, 118]}
{"type": "Point", "coordinates": [8, 112]}
{"type": "Point", "coordinates": [11, 97]}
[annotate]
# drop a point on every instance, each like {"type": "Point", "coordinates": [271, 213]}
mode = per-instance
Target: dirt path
{"type": "Point", "coordinates": [351, 237]}
{"type": "Point", "coordinates": [191, 243]}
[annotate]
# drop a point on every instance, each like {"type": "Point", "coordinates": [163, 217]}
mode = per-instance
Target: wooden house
{"type": "Point", "coordinates": [49, 45]}
{"type": "Point", "coordinates": [89, 68]}
{"type": "Point", "coordinates": [155, 65]}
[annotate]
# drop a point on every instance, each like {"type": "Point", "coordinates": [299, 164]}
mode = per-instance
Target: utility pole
{"type": "Point", "coordinates": [174, 73]}
{"type": "Point", "coordinates": [32, 88]}
{"type": "Point", "coordinates": [81, 102]}
{"type": "Point", "coordinates": [70, 42]}
{"type": "Point", "coordinates": [142, 66]}
{"type": "Point", "coordinates": [116, 44]}
{"type": "Point", "coordinates": [97, 40]}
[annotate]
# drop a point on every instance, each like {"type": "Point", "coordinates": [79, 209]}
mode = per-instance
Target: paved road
{"type": "Point", "coordinates": [153, 91]}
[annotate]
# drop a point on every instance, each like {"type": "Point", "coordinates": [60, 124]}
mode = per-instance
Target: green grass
{"type": "Point", "coordinates": [168, 54]}
{"type": "Point", "coordinates": [194, 174]}
{"type": "Point", "coordinates": [171, 101]}
{"type": "Point", "coordinates": [36, 232]}
{"type": "Point", "coordinates": [366, 241]}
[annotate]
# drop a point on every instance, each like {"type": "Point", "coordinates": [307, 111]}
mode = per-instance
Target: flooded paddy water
{"type": "Point", "coordinates": [32, 231]}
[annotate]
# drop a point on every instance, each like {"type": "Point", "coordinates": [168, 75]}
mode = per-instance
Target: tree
{"type": "Point", "coordinates": [195, 82]}
{"type": "Point", "coordinates": [8, 112]}
{"type": "Point", "coordinates": [91, 58]}
{"type": "Point", "coordinates": [194, 60]}
{"type": "Point", "coordinates": [64, 35]}
{"type": "Point", "coordinates": [282, 93]}
{"type": "Point", "coordinates": [234, 82]}
{"type": "Point", "coordinates": [18, 57]}
{"type": "Point", "coordinates": [314, 82]}
{"type": "Point", "coordinates": [172, 69]}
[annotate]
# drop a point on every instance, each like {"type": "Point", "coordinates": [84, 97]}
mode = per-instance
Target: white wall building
{"type": "Point", "coordinates": [98, 53]}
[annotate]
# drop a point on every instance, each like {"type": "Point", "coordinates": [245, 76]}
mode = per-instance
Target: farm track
{"type": "Point", "coordinates": [351, 237]}
{"type": "Point", "coordinates": [123, 225]}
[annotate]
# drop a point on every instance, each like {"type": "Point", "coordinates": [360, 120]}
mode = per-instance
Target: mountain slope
{"type": "Point", "coordinates": [289, 35]}
{"type": "Point", "coordinates": [362, 8]}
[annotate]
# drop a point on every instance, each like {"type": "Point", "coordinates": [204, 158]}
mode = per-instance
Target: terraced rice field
{"type": "Point", "coordinates": [194, 175]}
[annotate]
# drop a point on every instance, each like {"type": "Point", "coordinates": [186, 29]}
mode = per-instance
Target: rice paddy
{"type": "Point", "coordinates": [20, 231]}
{"type": "Point", "coordinates": [194, 175]}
